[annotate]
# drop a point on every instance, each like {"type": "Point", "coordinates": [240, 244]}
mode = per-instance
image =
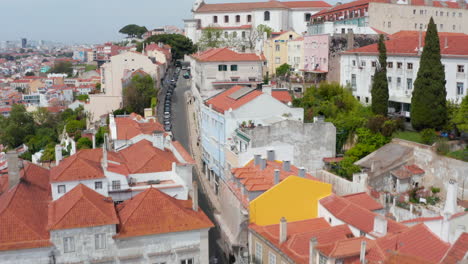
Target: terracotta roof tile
{"type": "Point", "coordinates": [81, 207]}
{"type": "Point", "coordinates": [231, 7]}
{"type": "Point", "coordinates": [223, 102]}
{"type": "Point", "coordinates": [282, 96]}
{"type": "Point", "coordinates": [128, 127]}
{"type": "Point", "coordinates": [84, 165]}
{"type": "Point", "coordinates": [363, 200]}
{"type": "Point", "coordinates": [225, 55]}
{"type": "Point", "coordinates": [344, 248]}
{"type": "Point", "coordinates": [458, 250]}
{"type": "Point", "coordinates": [154, 212]}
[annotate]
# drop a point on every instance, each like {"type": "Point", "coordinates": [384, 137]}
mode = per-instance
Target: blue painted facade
{"type": "Point", "coordinates": [213, 139]}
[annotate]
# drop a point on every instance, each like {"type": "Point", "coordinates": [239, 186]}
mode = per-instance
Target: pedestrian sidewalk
{"type": "Point", "coordinates": [195, 150]}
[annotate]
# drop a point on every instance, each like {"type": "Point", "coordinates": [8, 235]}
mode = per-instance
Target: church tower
{"type": "Point", "coordinates": [197, 4]}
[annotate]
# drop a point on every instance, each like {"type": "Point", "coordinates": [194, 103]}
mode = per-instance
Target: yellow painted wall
{"type": "Point", "coordinates": [271, 53]}
{"type": "Point", "coordinates": [294, 198]}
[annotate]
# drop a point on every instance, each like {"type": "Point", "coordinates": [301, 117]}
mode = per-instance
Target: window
{"type": "Point", "coordinates": [243, 34]}
{"type": "Point", "coordinates": [441, 13]}
{"type": "Point", "coordinates": [414, 11]}
{"type": "Point", "coordinates": [354, 63]}
{"type": "Point", "coordinates": [252, 79]}
{"type": "Point", "coordinates": [100, 241]}
{"type": "Point", "coordinates": [409, 83]}
{"type": "Point", "coordinates": [68, 244]}
{"type": "Point", "coordinates": [389, 80]}
{"type": "Point", "coordinates": [453, 14]}
{"type": "Point", "coordinates": [98, 185]}
{"type": "Point", "coordinates": [277, 60]}
{"type": "Point", "coordinates": [460, 90]}
{"type": "Point", "coordinates": [441, 26]}
{"type": "Point", "coordinates": [363, 63]}
{"type": "Point", "coordinates": [258, 252]}
{"type": "Point", "coordinates": [266, 16]}
{"type": "Point", "coordinates": [353, 82]}
{"type": "Point", "coordinates": [415, 25]}
{"type": "Point", "coordinates": [409, 66]}
{"type": "Point", "coordinates": [399, 65]}
{"type": "Point", "coordinates": [339, 261]}
{"type": "Point", "coordinates": [307, 17]}
{"type": "Point", "coordinates": [390, 65]}
{"type": "Point", "coordinates": [249, 18]}
{"type": "Point", "coordinates": [215, 19]}
{"type": "Point", "coordinates": [271, 258]}
{"type": "Point", "coordinates": [222, 67]}
{"type": "Point", "coordinates": [61, 189]}
{"type": "Point", "coordinates": [187, 261]}
{"type": "Point", "coordinates": [115, 185]}
{"type": "Point", "coordinates": [362, 233]}
{"type": "Point", "coordinates": [461, 68]}
{"type": "Point", "coordinates": [226, 35]}
{"type": "Point", "coordinates": [234, 34]}
{"type": "Point", "coordinates": [233, 67]}
{"type": "Point", "coordinates": [367, 100]}
{"type": "Point", "coordinates": [453, 27]}
{"type": "Point", "coordinates": [237, 19]}
{"type": "Point", "coordinates": [398, 81]}
{"type": "Point", "coordinates": [277, 47]}
{"type": "Point", "coordinates": [322, 259]}
{"type": "Point", "coordinates": [226, 19]}
{"type": "Point", "coordinates": [421, 12]}
{"type": "Point", "coordinates": [389, 24]}
{"type": "Point", "coordinates": [374, 64]}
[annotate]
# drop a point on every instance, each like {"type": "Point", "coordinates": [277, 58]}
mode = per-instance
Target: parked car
{"type": "Point", "coordinates": [168, 127]}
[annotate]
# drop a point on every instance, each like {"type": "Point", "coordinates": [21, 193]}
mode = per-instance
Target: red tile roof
{"type": "Point", "coordinates": [225, 55]}
{"type": "Point", "coordinates": [154, 212]}
{"type": "Point", "coordinates": [422, 219]}
{"type": "Point", "coordinates": [255, 179]}
{"type": "Point", "coordinates": [414, 169]}
{"type": "Point", "coordinates": [355, 215]}
{"type": "Point", "coordinates": [223, 102]}
{"type": "Point", "coordinates": [84, 165]}
{"type": "Point", "coordinates": [364, 200]}
{"type": "Point", "coordinates": [231, 7]}
{"type": "Point", "coordinates": [81, 207]}
{"type": "Point", "coordinates": [458, 250]}
{"type": "Point", "coordinates": [23, 211]}
{"type": "Point", "coordinates": [416, 241]}
{"type": "Point", "coordinates": [406, 44]}
{"type": "Point", "coordinates": [282, 96]}
{"type": "Point", "coordinates": [299, 234]}
{"type": "Point", "coordinates": [129, 127]}
{"type": "Point", "coordinates": [344, 248]}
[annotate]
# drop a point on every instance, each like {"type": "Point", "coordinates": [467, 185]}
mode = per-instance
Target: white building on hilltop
{"type": "Point", "coordinates": [243, 17]}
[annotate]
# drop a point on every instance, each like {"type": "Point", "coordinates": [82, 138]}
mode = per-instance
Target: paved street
{"type": "Point", "coordinates": [181, 133]}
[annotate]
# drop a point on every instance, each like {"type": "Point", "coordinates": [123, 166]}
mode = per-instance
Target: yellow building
{"type": "Point", "coordinates": [294, 198]}
{"type": "Point", "coordinates": [275, 50]}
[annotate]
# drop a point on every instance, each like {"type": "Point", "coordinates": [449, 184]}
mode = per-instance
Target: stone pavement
{"type": "Point", "coordinates": [195, 150]}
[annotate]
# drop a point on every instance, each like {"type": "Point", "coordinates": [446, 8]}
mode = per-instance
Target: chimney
{"type": "Point", "coordinates": [450, 207]}
{"type": "Point", "coordinates": [287, 165]}
{"type": "Point", "coordinates": [362, 256]}
{"type": "Point", "coordinates": [263, 164]}
{"type": "Point", "coordinates": [94, 140]}
{"type": "Point", "coordinates": [257, 159]}
{"type": "Point", "coordinates": [350, 39]}
{"type": "Point", "coordinates": [277, 176]}
{"type": "Point", "coordinates": [420, 42]}
{"type": "Point", "coordinates": [302, 172]}
{"type": "Point", "coordinates": [312, 244]}
{"type": "Point", "coordinates": [158, 140]}
{"type": "Point", "coordinates": [446, 42]}
{"type": "Point", "coordinates": [13, 168]}
{"type": "Point", "coordinates": [283, 230]}
{"type": "Point", "coordinates": [58, 154]}
{"type": "Point", "coordinates": [195, 196]}
{"type": "Point", "coordinates": [380, 225]}
{"type": "Point", "coordinates": [271, 155]}
{"type": "Point", "coordinates": [104, 156]}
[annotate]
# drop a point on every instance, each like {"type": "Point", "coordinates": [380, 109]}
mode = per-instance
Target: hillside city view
{"type": "Point", "coordinates": [234, 131]}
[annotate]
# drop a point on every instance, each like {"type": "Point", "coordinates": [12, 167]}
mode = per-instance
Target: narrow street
{"type": "Point", "coordinates": [180, 132]}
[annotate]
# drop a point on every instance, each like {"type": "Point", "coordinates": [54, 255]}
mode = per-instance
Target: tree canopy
{"type": "Point", "coordinates": [133, 30]}
{"type": "Point", "coordinates": [461, 116]}
{"type": "Point", "coordinates": [211, 38]}
{"type": "Point", "coordinates": [137, 95]}
{"type": "Point", "coordinates": [428, 104]}
{"type": "Point", "coordinates": [283, 69]}
{"type": "Point", "coordinates": [62, 67]}
{"type": "Point", "coordinates": [380, 84]}
{"type": "Point", "coordinates": [180, 45]}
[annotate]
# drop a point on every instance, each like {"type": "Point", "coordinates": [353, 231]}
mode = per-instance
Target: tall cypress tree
{"type": "Point", "coordinates": [380, 85]}
{"type": "Point", "coordinates": [428, 104]}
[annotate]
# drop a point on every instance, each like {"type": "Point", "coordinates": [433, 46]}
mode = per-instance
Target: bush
{"type": "Point", "coordinates": [389, 127]}
{"type": "Point", "coordinates": [428, 136]}
{"type": "Point", "coordinates": [84, 143]}
{"type": "Point", "coordinates": [435, 190]}
{"type": "Point", "coordinates": [443, 147]}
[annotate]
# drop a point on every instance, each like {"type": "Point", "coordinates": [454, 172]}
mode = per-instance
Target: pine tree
{"type": "Point", "coordinates": [380, 84]}
{"type": "Point", "coordinates": [428, 104]}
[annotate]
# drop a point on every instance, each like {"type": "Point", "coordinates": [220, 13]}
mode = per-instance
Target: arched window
{"type": "Point", "coordinates": [249, 18]}
{"type": "Point", "coordinates": [237, 19]}
{"type": "Point", "coordinates": [266, 16]}
{"type": "Point", "coordinates": [307, 17]}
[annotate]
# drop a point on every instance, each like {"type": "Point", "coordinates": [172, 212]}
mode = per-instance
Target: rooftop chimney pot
{"type": "Point", "coordinates": [283, 230]}
{"type": "Point", "coordinates": [195, 196]}
{"type": "Point", "coordinates": [302, 172]}
{"type": "Point", "coordinates": [263, 164]}
{"type": "Point", "coordinates": [58, 154]}
{"type": "Point", "coordinates": [287, 165]}
{"type": "Point", "coordinates": [13, 168]}
{"type": "Point", "coordinates": [257, 158]}
{"type": "Point", "coordinates": [362, 256]}
{"type": "Point", "coordinates": [277, 176]}
{"type": "Point", "coordinates": [271, 155]}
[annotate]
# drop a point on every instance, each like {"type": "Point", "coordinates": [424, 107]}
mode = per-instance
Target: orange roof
{"type": "Point", "coordinates": [81, 207]}
{"type": "Point", "coordinates": [255, 179]}
{"type": "Point", "coordinates": [356, 215]}
{"type": "Point", "coordinates": [23, 211]}
{"type": "Point", "coordinates": [231, 7]}
{"type": "Point", "coordinates": [226, 54]}
{"type": "Point", "coordinates": [282, 96]}
{"type": "Point", "coordinates": [84, 165]}
{"type": "Point", "coordinates": [299, 234]}
{"type": "Point", "coordinates": [224, 101]}
{"type": "Point", "coordinates": [458, 250]}
{"type": "Point", "coordinates": [407, 43]}
{"type": "Point", "coordinates": [364, 200]}
{"type": "Point", "coordinates": [129, 127]}
{"type": "Point", "coordinates": [344, 248]}
{"type": "Point", "coordinates": [416, 241]}
{"type": "Point", "coordinates": [154, 212]}
{"type": "Point", "coordinates": [183, 152]}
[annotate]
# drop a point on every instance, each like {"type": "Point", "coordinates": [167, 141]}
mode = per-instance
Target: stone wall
{"type": "Point", "coordinates": [340, 185]}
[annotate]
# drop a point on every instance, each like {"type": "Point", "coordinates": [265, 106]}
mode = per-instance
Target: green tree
{"type": "Point", "coordinates": [15, 128]}
{"type": "Point", "coordinates": [428, 104]}
{"type": "Point", "coordinates": [380, 84]}
{"type": "Point", "coordinates": [75, 126]}
{"type": "Point", "coordinates": [211, 38]}
{"type": "Point", "coordinates": [461, 116]}
{"type": "Point", "coordinates": [133, 30]}
{"type": "Point", "coordinates": [137, 95]}
{"type": "Point", "coordinates": [98, 87]}
{"type": "Point", "coordinates": [283, 70]}
{"type": "Point", "coordinates": [180, 45]}
{"type": "Point", "coordinates": [84, 143]}
{"type": "Point", "coordinates": [29, 74]}
{"type": "Point", "coordinates": [62, 67]}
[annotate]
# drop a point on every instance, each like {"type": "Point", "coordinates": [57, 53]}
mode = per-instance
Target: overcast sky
{"type": "Point", "coordinates": [88, 21]}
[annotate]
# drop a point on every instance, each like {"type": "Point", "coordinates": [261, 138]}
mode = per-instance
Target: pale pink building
{"type": "Point", "coordinates": [316, 53]}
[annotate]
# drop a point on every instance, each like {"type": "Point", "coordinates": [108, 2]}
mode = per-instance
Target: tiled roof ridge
{"type": "Point", "coordinates": [134, 208]}
{"type": "Point", "coordinates": [72, 158]}
{"type": "Point", "coordinates": [94, 205]}
{"type": "Point", "coordinates": [69, 209]}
